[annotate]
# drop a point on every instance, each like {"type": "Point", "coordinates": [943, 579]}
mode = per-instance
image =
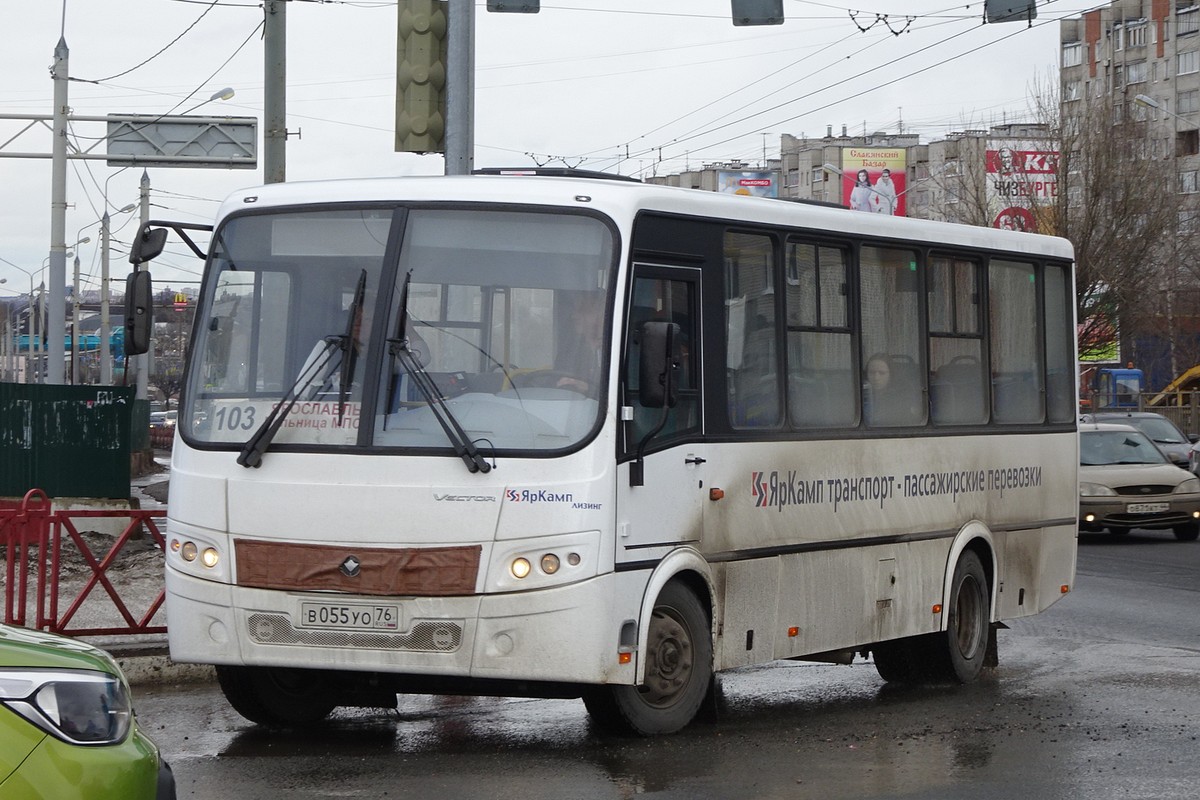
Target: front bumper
{"type": "Point", "coordinates": [560, 634]}
{"type": "Point", "coordinates": [1126, 513]}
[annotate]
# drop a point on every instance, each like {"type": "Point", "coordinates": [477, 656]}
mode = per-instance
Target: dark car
{"type": "Point", "coordinates": [1174, 444]}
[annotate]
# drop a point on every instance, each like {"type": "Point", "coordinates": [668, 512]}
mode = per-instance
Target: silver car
{"type": "Point", "coordinates": [1126, 482]}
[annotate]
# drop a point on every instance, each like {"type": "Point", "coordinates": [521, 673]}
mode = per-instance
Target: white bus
{"type": "Point", "coordinates": [571, 437]}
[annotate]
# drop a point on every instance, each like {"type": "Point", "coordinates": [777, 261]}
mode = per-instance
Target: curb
{"type": "Point", "coordinates": [150, 664]}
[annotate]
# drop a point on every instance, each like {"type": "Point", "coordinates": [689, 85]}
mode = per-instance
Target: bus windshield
{"type": "Point", "coordinates": [397, 328]}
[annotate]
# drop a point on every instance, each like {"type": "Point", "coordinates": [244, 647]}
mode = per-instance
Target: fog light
{"type": "Point", "coordinates": [209, 557]}
{"type": "Point", "coordinates": [520, 568]}
{"type": "Point", "coordinates": [550, 563]}
{"type": "Point", "coordinates": [1090, 518]}
{"type": "Point", "coordinates": [573, 558]}
{"type": "Point", "coordinates": [188, 551]}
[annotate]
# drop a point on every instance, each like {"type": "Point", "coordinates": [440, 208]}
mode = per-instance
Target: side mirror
{"type": "Point", "coordinates": [660, 355]}
{"type": "Point", "coordinates": [148, 245]}
{"type": "Point", "coordinates": [139, 311]}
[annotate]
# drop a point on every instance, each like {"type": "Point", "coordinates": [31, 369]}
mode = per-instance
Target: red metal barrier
{"type": "Point", "coordinates": [25, 527]}
{"type": "Point", "coordinates": [38, 526]}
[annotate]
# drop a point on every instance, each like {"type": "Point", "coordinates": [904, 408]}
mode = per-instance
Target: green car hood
{"type": "Point", "coordinates": [22, 647]}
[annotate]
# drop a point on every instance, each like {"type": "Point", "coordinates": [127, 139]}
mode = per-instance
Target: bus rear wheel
{"type": "Point", "coordinates": [959, 653]}
{"type": "Point", "coordinates": [678, 672]}
{"type": "Point", "coordinates": [276, 696]}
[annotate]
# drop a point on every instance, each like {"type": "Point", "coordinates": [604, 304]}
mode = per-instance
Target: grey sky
{"type": "Point", "coordinates": [671, 83]}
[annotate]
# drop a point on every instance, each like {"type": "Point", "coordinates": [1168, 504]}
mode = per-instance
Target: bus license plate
{"type": "Point", "coordinates": [349, 615]}
{"type": "Point", "coordinates": [1147, 508]}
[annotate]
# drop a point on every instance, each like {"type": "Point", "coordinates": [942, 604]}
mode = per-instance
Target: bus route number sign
{"type": "Point", "coordinates": [349, 616]}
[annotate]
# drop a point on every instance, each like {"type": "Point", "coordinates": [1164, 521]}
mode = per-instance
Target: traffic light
{"type": "Point", "coordinates": [757, 12]}
{"type": "Point", "coordinates": [421, 77]}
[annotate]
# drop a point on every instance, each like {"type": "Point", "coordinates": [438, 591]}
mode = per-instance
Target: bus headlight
{"type": "Point", "coordinates": [197, 554]}
{"type": "Point", "coordinates": [545, 561]}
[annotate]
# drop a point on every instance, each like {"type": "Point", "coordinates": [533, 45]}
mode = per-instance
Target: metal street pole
{"type": "Point", "coordinates": [460, 88]}
{"type": "Point", "coordinates": [105, 326]}
{"type": "Point", "coordinates": [275, 91]}
{"type": "Point", "coordinates": [75, 326]}
{"type": "Point", "coordinates": [146, 359]}
{"type": "Point", "coordinates": [57, 321]}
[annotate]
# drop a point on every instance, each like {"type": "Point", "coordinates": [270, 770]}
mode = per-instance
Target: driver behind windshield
{"type": "Point", "coordinates": [580, 351]}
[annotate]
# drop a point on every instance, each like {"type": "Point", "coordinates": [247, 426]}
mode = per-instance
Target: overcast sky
{"type": "Point", "coordinates": [631, 86]}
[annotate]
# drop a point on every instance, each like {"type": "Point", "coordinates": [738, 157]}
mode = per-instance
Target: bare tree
{"type": "Point", "coordinates": [1118, 204]}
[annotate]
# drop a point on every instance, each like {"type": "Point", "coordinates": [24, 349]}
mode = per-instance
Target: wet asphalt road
{"type": "Point", "coordinates": [1097, 698]}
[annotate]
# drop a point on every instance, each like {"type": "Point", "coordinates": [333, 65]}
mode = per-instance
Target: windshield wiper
{"type": "Point", "coordinates": [349, 351]}
{"type": "Point", "coordinates": [256, 445]}
{"type": "Point", "coordinates": [400, 349]}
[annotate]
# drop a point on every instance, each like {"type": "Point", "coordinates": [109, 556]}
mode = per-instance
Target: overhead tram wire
{"type": "Point", "coordinates": [644, 153]}
{"type": "Point", "coordinates": [696, 134]}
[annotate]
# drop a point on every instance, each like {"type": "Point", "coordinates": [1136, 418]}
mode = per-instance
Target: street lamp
{"type": "Point", "coordinates": [220, 94]}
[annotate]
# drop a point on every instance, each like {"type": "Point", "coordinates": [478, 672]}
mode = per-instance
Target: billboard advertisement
{"type": "Point", "coordinates": [873, 179]}
{"type": "Point", "coordinates": [1020, 179]}
{"type": "Point", "coordinates": [748, 184]}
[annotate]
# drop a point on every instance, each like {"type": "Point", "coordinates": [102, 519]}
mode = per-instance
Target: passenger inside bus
{"type": "Point", "coordinates": [887, 393]}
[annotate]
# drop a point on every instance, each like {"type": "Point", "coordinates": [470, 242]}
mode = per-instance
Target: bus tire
{"type": "Point", "coordinates": [1188, 532]}
{"type": "Point", "coordinates": [276, 696]}
{"type": "Point", "coordinates": [897, 661]}
{"type": "Point", "coordinates": [678, 672]}
{"type": "Point", "coordinates": [964, 646]}
{"type": "Point", "coordinates": [957, 655]}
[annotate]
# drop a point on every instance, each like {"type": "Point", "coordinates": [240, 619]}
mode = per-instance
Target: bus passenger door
{"type": "Point", "coordinates": [665, 510]}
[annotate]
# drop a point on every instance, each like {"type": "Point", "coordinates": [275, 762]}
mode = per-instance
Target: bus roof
{"type": "Point", "coordinates": [623, 200]}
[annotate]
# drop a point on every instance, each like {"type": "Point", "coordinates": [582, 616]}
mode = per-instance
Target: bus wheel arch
{"type": "Point", "coordinates": [675, 661]}
{"type": "Point", "coordinates": [965, 641]}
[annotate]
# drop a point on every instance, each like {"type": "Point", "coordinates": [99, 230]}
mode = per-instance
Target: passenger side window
{"type": "Point", "coordinates": [1015, 342]}
{"type": "Point", "coordinates": [751, 358]}
{"type": "Point", "coordinates": [820, 357]}
{"type": "Point", "coordinates": [892, 341]}
{"type": "Point", "coordinates": [956, 383]}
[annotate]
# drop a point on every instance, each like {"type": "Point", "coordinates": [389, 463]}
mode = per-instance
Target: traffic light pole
{"type": "Point", "coordinates": [460, 88]}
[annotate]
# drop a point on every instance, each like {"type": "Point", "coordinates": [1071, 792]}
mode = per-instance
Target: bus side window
{"type": "Point", "coordinates": [752, 359]}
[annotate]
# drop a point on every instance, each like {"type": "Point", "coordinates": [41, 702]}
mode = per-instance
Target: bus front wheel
{"type": "Point", "coordinates": [276, 696]}
{"type": "Point", "coordinates": [678, 672]}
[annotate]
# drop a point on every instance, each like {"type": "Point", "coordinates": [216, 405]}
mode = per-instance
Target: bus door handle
{"type": "Point", "coordinates": [694, 460]}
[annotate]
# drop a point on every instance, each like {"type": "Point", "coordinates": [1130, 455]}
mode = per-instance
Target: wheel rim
{"type": "Point", "coordinates": [968, 617]}
{"type": "Point", "coordinates": [671, 658]}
